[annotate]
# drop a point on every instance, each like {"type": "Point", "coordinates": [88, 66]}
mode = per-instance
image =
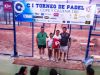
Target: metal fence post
{"type": "Point", "coordinates": [88, 43]}
{"type": "Point", "coordinates": [14, 27]}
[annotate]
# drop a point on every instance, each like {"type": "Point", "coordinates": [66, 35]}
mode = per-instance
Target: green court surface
{"type": "Point", "coordinates": [7, 68]}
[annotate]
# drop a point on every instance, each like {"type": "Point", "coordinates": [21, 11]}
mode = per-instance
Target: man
{"type": "Point", "coordinates": [41, 41]}
{"type": "Point", "coordinates": [64, 43]}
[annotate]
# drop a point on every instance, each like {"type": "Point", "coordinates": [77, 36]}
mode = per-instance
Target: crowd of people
{"type": "Point", "coordinates": [35, 70]}
{"type": "Point", "coordinates": [23, 70]}
{"type": "Point", "coordinates": [57, 44]}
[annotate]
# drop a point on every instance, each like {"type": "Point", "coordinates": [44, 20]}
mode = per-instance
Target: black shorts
{"type": "Point", "coordinates": [41, 46]}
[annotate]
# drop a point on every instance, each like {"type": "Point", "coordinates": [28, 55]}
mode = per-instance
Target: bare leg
{"type": "Point", "coordinates": [50, 54]}
{"type": "Point", "coordinates": [43, 51]}
{"type": "Point", "coordinates": [64, 57]}
{"type": "Point", "coordinates": [57, 54]}
{"type": "Point", "coordinates": [60, 55]}
{"type": "Point", "coordinates": [54, 54]}
{"type": "Point", "coordinates": [40, 52]}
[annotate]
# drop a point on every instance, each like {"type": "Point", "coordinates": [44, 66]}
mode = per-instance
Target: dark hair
{"type": "Point", "coordinates": [21, 71]}
{"type": "Point", "coordinates": [34, 70]}
{"type": "Point", "coordinates": [58, 30]}
{"type": "Point", "coordinates": [42, 26]}
{"type": "Point", "coordinates": [64, 27]}
{"type": "Point", "coordinates": [89, 70]}
{"type": "Point", "coordinates": [53, 72]}
{"type": "Point", "coordinates": [50, 33]}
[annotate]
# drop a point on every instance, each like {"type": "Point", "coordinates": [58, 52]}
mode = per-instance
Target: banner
{"type": "Point", "coordinates": [62, 13]}
{"type": "Point", "coordinates": [7, 6]}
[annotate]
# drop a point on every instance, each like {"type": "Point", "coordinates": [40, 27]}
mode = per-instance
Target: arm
{"type": "Point", "coordinates": [47, 43]}
{"type": "Point", "coordinates": [46, 35]}
{"type": "Point", "coordinates": [69, 41]}
{"type": "Point", "coordinates": [37, 41]}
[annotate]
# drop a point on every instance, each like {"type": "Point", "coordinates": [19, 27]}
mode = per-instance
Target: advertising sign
{"type": "Point", "coordinates": [62, 13]}
{"type": "Point", "coordinates": [7, 6]}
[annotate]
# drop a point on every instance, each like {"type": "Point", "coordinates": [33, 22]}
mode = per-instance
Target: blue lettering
{"type": "Point", "coordinates": [81, 8]}
{"type": "Point", "coordinates": [37, 5]}
{"type": "Point", "coordinates": [28, 5]}
{"type": "Point", "coordinates": [68, 6]}
{"type": "Point", "coordinates": [45, 5]}
{"type": "Point", "coordinates": [75, 7]}
{"type": "Point", "coordinates": [61, 6]}
{"type": "Point", "coordinates": [71, 7]}
{"type": "Point", "coordinates": [32, 5]}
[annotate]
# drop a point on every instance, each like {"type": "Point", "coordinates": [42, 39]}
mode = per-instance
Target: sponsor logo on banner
{"type": "Point", "coordinates": [76, 22]}
{"type": "Point", "coordinates": [87, 22]}
{"type": "Point", "coordinates": [54, 21]}
{"type": "Point", "coordinates": [53, 18]}
{"type": "Point", "coordinates": [36, 13]}
{"type": "Point", "coordinates": [19, 7]}
{"type": "Point", "coordinates": [38, 16]}
{"type": "Point", "coordinates": [63, 21]}
{"type": "Point", "coordinates": [8, 6]}
{"type": "Point", "coordinates": [46, 17]}
{"type": "Point", "coordinates": [42, 14]}
{"type": "Point", "coordinates": [55, 14]}
{"type": "Point", "coordinates": [38, 20]}
{"type": "Point", "coordinates": [27, 16]}
{"type": "Point", "coordinates": [68, 21]}
{"type": "Point", "coordinates": [88, 9]}
{"type": "Point", "coordinates": [47, 14]}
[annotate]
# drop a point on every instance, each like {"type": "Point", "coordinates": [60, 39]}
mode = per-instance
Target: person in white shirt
{"type": "Point", "coordinates": [49, 45]}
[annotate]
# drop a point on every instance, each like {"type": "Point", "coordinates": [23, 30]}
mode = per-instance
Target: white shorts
{"type": "Point", "coordinates": [63, 49]}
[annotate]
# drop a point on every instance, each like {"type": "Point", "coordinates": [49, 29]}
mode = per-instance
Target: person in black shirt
{"type": "Point", "coordinates": [64, 43]}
